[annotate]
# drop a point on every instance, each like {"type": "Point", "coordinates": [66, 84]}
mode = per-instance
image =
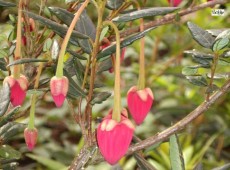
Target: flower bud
{"type": "Point", "coordinates": [18, 89]}
{"type": "Point", "coordinates": [175, 3]}
{"type": "Point", "coordinates": [30, 136]}
{"type": "Point", "coordinates": [114, 137]}
{"type": "Point", "coordinates": [59, 88]}
{"type": "Point", "coordinates": [139, 103]}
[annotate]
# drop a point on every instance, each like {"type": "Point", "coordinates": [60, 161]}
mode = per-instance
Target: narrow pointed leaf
{"type": "Point", "coordinates": [3, 64]}
{"type": "Point", "coordinates": [104, 65]}
{"type": "Point", "coordinates": [156, 11]}
{"type": "Point", "coordinates": [197, 80]}
{"type": "Point", "coordinates": [176, 156]}
{"type": "Point", "coordinates": [26, 60]}
{"type": "Point", "coordinates": [4, 99]}
{"type": "Point", "coordinates": [15, 129]}
{"type": "Point", "coordinates": [7, 152]}
{"type": "Point", "coordinates": [10, 166]}
{"type": "Point", "coordinates": [188, 71]}
{"type": "Point", "coordinates": [58, 29]}
{"type": "Point", "coordinates": [224, 167]}
{"type": "Point", "coordinates": [7, 117]}
{"type": "Point", "coordinates": [74, 89]}
{"type": "Point", "coordinates": [142, 163]}
{"type": "Point", "coordinates": [203, 37]}
{"type": "Point", "coordinates": [100, 97]}
{"type": "Point", "coordinates": [75, 54]}
{"type": "Point", "coordinates": [113, 5]}
{"type": "Point", "coordinates": [221, 43]}
{"type": "Point", "coordinates": [7, 4]}
{"type": "Point", "coordinates": [55, 50]}
{"type": "Point", "coordinates": [84, 25]}
{"type": "Point", "coordinates": [49, 163]}
{"type": "Point", "coordinates": [112, 48]}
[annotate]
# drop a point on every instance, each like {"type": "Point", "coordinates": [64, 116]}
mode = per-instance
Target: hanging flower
{"type": "Point", "coordinates": [139, 103]}
{"type": "Point", "coordinates": [114, 137]}
{"type": "Point", "coordinates": [18, 89]}
{"type": "Point", "coordinates": [175, 3]}
{"type": "Point", "coordinates": [59, 88]}
{"type": "Point", "coordinates": [30, 136]}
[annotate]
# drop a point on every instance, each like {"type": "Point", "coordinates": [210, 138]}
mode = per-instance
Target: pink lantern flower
{"type": "Point", "coordinates": [139, 103]}
{"type": "Point", "coordinates": [175, 3]}
{"type": "Point", "coordinates": [30, 136]}
{"type": "Point", "coordinates": [114, 137]}
{"type": "Point", "coordinates": [59, 88]}
{"type": "Point", "coordinates": [18, 89]}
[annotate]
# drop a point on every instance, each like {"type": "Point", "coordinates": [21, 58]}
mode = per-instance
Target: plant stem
{"type": "Point", "coordinates": [17, 53]}
{"type": "Point", "coordinates": [117, 85]}
{"type": "Point", "coordinates": [32, 111]}
{"type": "Point", "coordinates": [59, 72]}
{"type": "Point", "coordinates": [213, 69]}
{"type": "Point", "coordinates": [141, 79]}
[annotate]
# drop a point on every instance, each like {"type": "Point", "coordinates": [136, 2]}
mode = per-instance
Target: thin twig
{"type": "Point", "coordinates": [169, 18]}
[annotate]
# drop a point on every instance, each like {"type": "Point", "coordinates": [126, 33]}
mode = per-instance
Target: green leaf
{"type": "Point", "coordinates": [100, 97]}
{"type": "Point", "coordinates": [57, 28]}
{"type": "Point", "coordinates": [113, 5]}
{"type": "Point", "coordinates": [211, 89]}
{"type": "Point", "coordinates": [143, 163]}
{"type": "Point", "coordinates": [3, 64]}
{"type": "Point", "coordinates": [224, 167]}
{"type": "Point", "coordinates": [47, 45]}
{"type": "Point", "coordinates": [188, 71]}
{"type": "Point", "coordinates": [75, 54]}
{"type": "Point", "coordinates": [203, 37]}
{"type": "Point", "coordinates": [74, 67]}
{"type": "Point", "coordinates": [104, 32]}
{"type": "Point", "coordinates": [84, 26]}
{"type": "Point", "coordinates": [197, 80]}
{"type": "Point", "coordinates": [7, 152]}
{"type": "Point", "coordinates": [49, 163]}
{"type": "Point", "coordinates": [221, 43]}
{"type": "Point", "coordinates": [201, 58]}
{"type": "Point", "coordinates": [26, 60]}
{"type": "Point", "coordinates": [112, 48]}
{"type": "Point", "coordinates": [223, 62]}
{"type": "Point", "coordinates": [7, 117]}
{"type": "Point", "coordinates": [7, 4]}
{"type": "Point", "coordinates": [215, 32]}
{"type": "Point", "coordinates": [10, 166]}
{"type": "Point", "coordinates": [176, 156]}
{"type": "Point", "coordinates": [55, 50]}
{"type": "Point", "coordinates": [74, 89]}
{"type": "Point", "coordinates": [4, 99]}
{"type": "Point", "coordinates": [11, 131]}
{"type": "Point", "coordinates": [104, 65]}
{"type": "Point", "coordinates": [156, 11]}
{"type": "Point", "coordinates": [3, 53]}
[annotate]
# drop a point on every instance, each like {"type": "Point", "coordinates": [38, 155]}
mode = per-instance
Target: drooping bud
{"type": "Point", "coordinates": [139, 103]}
{"type": "Point", "coordinates": [114, 137]}
{"type": "Point", "coordinates": [59, 88]}
{"type": "Point", "coordinates": [30, 136]}
{"type": "Point", "coordinates": [18, 89]}
{"type": "Point", "coordinates": [175, 3]}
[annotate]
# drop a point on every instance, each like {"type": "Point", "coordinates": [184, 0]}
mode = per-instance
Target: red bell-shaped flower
{"type": "Point", "coordinates": [139, 103]}
{"type": "Point", "coordinates": [114, 137]}
{"type": "Point", "coordinates": [175, 3]}
{"type": "Point", "coordinates": [30, 136]}
{"type": "Point", "coordinates": [59, 88]}
{"type": "Point", "coordinates": [18, 89]}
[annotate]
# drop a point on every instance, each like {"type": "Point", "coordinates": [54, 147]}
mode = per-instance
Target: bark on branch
{"type": "Point", "coordinates": [170, 18]}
